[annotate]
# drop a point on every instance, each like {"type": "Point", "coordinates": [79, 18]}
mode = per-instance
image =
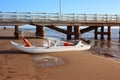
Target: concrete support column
{"type": "Point", "coordinates": [16, 33]}
{"type": "Point", "coordinates": [96, 30]}
{"type": "Point", "coordinates": [77, 32]}
{"type": "Point", "coordinates": [109, 33]}
{"type": "Point", "coordinates": [40, 31]}
{"type": "Point", "coordinates": [102, 32]}
{"type": "Point", "coordinates": [69, 30]}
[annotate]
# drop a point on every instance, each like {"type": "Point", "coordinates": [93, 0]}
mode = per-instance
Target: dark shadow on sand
{"type": "Point", "coordinates": [7, 37]}
{"type": "Point", "coordinates": [11, 52]}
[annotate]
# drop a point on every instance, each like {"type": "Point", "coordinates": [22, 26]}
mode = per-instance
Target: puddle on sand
{"type": "Point", "coordinates": [47, 61]}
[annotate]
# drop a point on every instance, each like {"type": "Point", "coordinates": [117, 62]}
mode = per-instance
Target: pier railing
{"type": "Point", "coordinates": [48, 17]}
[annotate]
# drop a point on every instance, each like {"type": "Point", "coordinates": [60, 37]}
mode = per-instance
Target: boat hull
{"type": "Point", "coordinates": [34, 49]}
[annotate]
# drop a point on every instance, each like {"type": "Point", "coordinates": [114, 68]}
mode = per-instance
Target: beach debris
{"type": "Point", "coordinates": [48, 61]}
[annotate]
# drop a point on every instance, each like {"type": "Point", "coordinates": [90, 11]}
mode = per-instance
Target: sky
{"type": "Point", "coordinates": [68, 6]}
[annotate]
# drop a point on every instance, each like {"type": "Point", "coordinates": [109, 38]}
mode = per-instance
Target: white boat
{"type": "Point", "coordinates": [80, 46]}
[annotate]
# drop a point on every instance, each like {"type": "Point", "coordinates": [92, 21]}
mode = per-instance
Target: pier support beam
{"type": "Point", "coordinates": [40, 31]}
{"type": "Point", "coordinates": [77, 32]}
{"type": "Point", "coordinates": [69, 30]}
{"type": "Point", "coordinates": [102, 32]}
{"type": "Point", "coordinates": [96, 30]}
{"type": "Point", "coordinates": [16, 33]}
{"type": "Point", "coordinates": [109, 33]}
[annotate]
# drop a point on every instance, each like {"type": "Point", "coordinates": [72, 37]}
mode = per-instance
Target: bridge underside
{"type": "Point", "coordinates": [70, 31]}
{"type": "Point", "coordinates": [60, 23]}
{"type": "Point", "coordinates": [73, 28]}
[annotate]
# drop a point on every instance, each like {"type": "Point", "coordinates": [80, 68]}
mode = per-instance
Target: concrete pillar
{"type": "Point", "coordinates": [40, 31]}
{"type": "Point", "coordinates": [96, 30]}
{"type": "Point", "coordinates": [77, 32]}
{"type": "Point", "coordinates": [69, 29]}
{"type": "Point", "coordinates": [109, 33]}
{"type": "Point", "coordinates": [16, 33]}
{"type": "Point", "coordinates": [102, 32]}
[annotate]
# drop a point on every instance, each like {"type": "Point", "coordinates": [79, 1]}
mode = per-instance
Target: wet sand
{"type": "Point", "coordinates": [83, 66]}
{"type": "Point", "coordinates": [78, 65]}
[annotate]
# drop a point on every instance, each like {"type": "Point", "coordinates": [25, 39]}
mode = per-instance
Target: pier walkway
{"type": "Point", "coordinates": [51, 20]}
{"type": "Point", "coordinates": [21, 18]}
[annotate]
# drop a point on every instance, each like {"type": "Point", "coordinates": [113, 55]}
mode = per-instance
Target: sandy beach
{"type": "Point", "coordinates": [14, 65]}
{"type": "Point", "coordinates": [78, 65]}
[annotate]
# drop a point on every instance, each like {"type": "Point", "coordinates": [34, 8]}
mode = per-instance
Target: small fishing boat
{"type": "Point", "coordinates": [52, 46]}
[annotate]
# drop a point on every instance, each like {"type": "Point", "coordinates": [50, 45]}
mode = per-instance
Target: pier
{"type": "Point", "coordinates": [70, 20]}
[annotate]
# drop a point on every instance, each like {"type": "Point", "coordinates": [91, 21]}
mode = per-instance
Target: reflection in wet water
{"type": "Point", "coordinates": [102, 43]}
{"type": "Point", "coordinates": [106, 48]}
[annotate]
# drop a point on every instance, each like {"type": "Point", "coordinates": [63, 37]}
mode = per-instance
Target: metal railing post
{"type": "Point", "coordinates": [59, 14]}
{"type": "Point", "coordinates": [85, 18]}
{"type": "Point", "coordinates": [116, 18]}
{"type": "Point", "coordinates": [45, 16]}
{"type": "Point", "coordinates": [96, 17]}
{"type": "Point", "coordinates": [73, 17]}
{"type": "Point", "coordinates": [106, 18]}
{"type": "Point", "coordinates": [32, 16]}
